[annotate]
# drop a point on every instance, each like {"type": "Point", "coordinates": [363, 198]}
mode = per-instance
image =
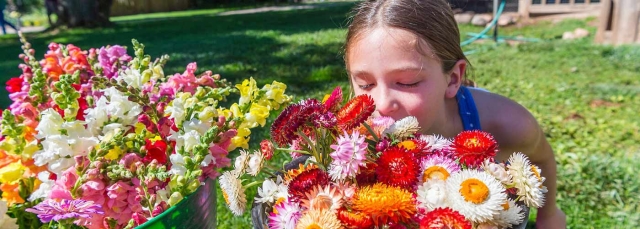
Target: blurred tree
{"type": "Point", "coordinates": [83, 13]}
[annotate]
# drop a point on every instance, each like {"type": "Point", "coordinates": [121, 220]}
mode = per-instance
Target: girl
{"type": "Point", "coordinates": [406, 54]}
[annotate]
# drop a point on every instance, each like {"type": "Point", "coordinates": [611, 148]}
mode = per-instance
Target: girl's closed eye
{"type": "Point", "coordinates": [365, 86]}
{"type": "Point", "coordinates": [409, 84]}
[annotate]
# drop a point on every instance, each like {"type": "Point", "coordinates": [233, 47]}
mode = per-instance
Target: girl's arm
{"type": "Point", "coordinates": [549, 216]}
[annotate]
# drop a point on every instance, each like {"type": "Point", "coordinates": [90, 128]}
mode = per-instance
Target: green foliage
{"type": "Point", "coordinates": [585, 96]}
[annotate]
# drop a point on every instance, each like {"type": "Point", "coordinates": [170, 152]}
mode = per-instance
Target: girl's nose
{"type": "Point", "coordinates": [386, 102]}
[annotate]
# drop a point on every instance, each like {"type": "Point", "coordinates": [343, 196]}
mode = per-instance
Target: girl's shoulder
{"type": "Point", "coordinates": [513, 126]}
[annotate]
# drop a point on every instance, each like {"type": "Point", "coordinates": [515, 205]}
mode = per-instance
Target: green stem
{"type": "Point", "coordinates": [373, 133]}
{"type": "Point", "coordinates": [249, 185]}
{"type": "Point", "coordinates": [293, 150]}
{"type": "Point", "coordinates": [269, 173]}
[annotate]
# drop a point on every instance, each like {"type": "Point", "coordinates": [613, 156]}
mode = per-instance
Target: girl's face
{"type": "Point", "coordinates": [385, 64]}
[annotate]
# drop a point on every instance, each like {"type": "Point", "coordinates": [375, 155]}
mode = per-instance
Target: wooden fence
{"type": "Point", "coordinates": [528, 7]}
{"type": "Point", "coordinates": [619, 22]}
{"type": "Point", "coordinates": [130, 7]}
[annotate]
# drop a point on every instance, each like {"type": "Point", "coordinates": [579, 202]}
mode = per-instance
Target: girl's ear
{"type": "Point", "coordinates": [454, 78]}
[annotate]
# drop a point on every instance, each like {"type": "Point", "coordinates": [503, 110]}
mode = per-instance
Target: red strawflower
{"type": "Point", "coordinates": [474, 146]}
{"type": "Point", "coordinates": [155, 150]}
{"type": "Point", "coordinates": [14, 84]}
{"type": "Point", "coordinates": [295, 117]}
{"type": "Point", "coordinates": [267, 148]}
{"type": "Point", "coordinates": [397, 167]}
{"type": "Point", "coordinates": [309, 115]}
{"type": "Point", "coordinates": [355, 112]}
{"type": "Point", "coordinates": [283, 128]}
{"type": "Point", "coordinates": [418, 148]}
{"type": "Point", "coordinates": [354, 219]}
{"type": "Point", "coordinates": [444, 218]}
{"type": "Point", "coordinates": [332, 103]}
{"type": "Point", "coordinates": [367, 175]}
{"type": "Point", "coordinates": [303, 182]}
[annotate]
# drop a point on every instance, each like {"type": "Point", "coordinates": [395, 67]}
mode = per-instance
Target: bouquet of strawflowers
{"type": "Point", "coordinates": [365, 172]}
{"type": "Point", "coordinates": [100, 139]}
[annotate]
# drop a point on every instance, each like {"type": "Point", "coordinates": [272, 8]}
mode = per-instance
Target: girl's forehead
{"type": "Point", "coordinates": [389, 39]}
{"type": "Point", "coordinates": [386, 47]}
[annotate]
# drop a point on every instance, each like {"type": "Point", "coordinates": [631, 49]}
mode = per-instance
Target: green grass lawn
{"type": "Point", "coordinates": [584, 95]}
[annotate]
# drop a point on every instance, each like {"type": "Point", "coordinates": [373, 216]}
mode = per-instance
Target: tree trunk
{"type": "Point", "coordinates": [84, 13]}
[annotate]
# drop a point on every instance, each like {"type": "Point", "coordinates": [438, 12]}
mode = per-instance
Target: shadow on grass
{"type": "Point", "coordinates": [289, 46]}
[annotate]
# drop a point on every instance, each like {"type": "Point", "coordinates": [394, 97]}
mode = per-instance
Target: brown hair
{"type": "Point", "coordinates": [431, 20]}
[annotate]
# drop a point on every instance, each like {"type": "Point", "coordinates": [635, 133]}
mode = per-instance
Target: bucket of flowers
{"type": "Point", "coordinates": [351, 170]}
{"type": "Point", "coordinates": [100, 139]}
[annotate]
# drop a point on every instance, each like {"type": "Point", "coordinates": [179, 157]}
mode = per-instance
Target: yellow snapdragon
{"type": "Point", "coordinates": [247, 88]}
{"type": "Point", "coordinates": [257, 115]}
{"type": "Point", "coordinates": [12, 172]}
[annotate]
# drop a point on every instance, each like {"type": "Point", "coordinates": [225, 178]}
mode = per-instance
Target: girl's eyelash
{"type": "Point", "coordinates": [365, 86]}
{"type": "Point", "coordinates": [409, 85]}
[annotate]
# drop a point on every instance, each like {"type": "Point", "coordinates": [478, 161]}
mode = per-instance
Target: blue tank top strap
{"type": "Point", "coordinates": [467, 109]}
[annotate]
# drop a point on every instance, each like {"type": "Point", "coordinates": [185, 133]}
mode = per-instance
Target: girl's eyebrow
{"type": "Point", "coordinates": [409, 68]}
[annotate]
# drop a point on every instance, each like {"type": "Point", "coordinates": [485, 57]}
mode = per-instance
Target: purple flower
{"type": "Point", "coordinates": [65, 209]}
{"type": "Point", "coordinates": [112, 57]}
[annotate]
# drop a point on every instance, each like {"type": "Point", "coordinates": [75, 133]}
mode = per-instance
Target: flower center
{"type": "Point", "coordinates": [472, 142]}
{"type": "Point", "coordinates": [474, 191]}
{"type": "Point", "coordinates": [322, 202]}
{"type": "Point", "coordinates": [435, 172]}
{"type": "Point", "coordinates": [536, 172]}
{"type": "Point", "coordinates": [314, 226]}
{"type": "Point", "coordinates": [505, 206]}
{"type": "Point", "coordinates": [410, 145]}
{"type": "Point", "coordinates": [226, 197]}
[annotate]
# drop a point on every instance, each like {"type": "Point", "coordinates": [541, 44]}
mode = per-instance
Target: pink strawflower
{"type": "Point", "coordinates": [295, 145]}
{"type": "Point", "coordinates": [439, 165]}
{"type": "Point", "coordinates": [287, 216]}
{"type": "Point", "coordinates": [348, 156]}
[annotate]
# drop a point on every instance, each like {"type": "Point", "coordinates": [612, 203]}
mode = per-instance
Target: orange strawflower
{"type": "Point", "coordinates": [385, 203]}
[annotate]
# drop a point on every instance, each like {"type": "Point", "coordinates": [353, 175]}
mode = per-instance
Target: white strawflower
{"type": "Point", "coordinates": [256, 161]}
{"type": "Point", "coordinates": [271, 191]}
{"type": "Point", "coordinates": [432, 194]}
{"type": "Point", "coordinates": [510, 215]}
{"type": "Point", "coordinates": [476, 195]}
{"type": "Point", "coordinates": [527, 180]}
{"type": "Point", "coordinates": [498, 171]}
{"type": "Point", "coordinates": [403, 128]}
{"type": "Point", "coordinates": [233, 192]}
{"type": "Point", "coordinates": [241, 162]}
{"type": "Point", "coordinates": [436, 142]}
